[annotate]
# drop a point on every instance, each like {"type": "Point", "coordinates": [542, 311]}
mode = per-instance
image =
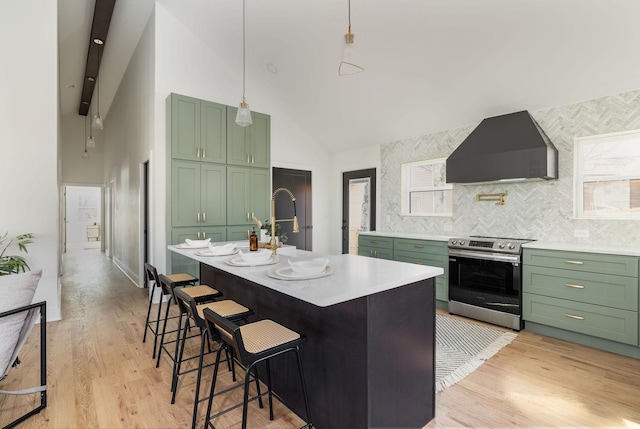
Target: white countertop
{"type": "Point", "coordinates": [588, 248]}
{"type": "Point", "coordinates": [352, 277]}
{"type": "Point", "coordinates": [412, 235]}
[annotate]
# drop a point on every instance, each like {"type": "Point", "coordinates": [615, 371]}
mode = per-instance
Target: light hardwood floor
{"type": "Point", "coordinates": [101, 375]}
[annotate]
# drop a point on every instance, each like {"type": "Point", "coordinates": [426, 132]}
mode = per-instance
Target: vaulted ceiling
{"type": "Point", "coordinates": [430, 64]}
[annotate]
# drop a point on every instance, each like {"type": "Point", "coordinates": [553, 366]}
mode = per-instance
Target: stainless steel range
{"type": "Point", "coordinates": [485, 279]}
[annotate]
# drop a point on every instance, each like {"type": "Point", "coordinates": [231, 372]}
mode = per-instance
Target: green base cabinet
{"type": "Point", "coordinates": [425, 252]}
{"type": "Point", "coordinates": [591, 294]}
{"type": "Point", "coordinates": [375, 247]}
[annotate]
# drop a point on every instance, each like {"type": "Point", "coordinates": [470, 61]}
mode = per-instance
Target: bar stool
{"type": "Point", "coordinates": [251, 344]}
{"type": "Point", "coordinates": [201, 293]}
{"type": "Point", "coordinates": [228, 309]}
{"type": "Point", "coordinates": [180, 279]}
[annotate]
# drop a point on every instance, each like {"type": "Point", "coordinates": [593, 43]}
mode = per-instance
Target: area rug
{"type": "Point", "coordinates": [461, 347]}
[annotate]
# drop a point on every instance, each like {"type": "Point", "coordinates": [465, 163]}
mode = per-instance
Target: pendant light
{"type": "Point", "coordinates": [85, 154]}
{"type": "Point", "coordinates": [91, 143]}
{"type": "Point", "coordinates": [97, 120]}
{"type": "Point", "coordinates": [347, 66]}
{"type": "Point", "coordinates": [243, 117]}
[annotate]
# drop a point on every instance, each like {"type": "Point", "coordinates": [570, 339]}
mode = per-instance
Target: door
{"type": "Point", "coordinates": [358, 206]}
{"type": "Point", "coordinates": [299, 183]}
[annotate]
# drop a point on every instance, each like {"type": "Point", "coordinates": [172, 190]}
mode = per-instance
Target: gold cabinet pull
{"type": "Point", "coordinates": [574, 262]}
{"type": "Point", "coordinates": [574, 286]}
{"type": "Point", "coordinates": [418, 246]}
{"type": "Point", "coordinates": [204, 217]}
{"type": "Point", "coordinates": [197, 152]}
{"type": "Point", "coordinates": [204, 153]}
{"type": "Point", "coordinates": [248, 159]}
{"type": "Point", "coordinates": [198, 217]}
{"type": "Point", "coordinates": [198, 235]}
{"type": "Point", "coordinates": [204, 234]}
{"type": "Point", "coordinates": [572, 316]}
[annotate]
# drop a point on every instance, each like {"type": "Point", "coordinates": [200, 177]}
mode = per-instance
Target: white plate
{"type": "Point", "coordinates": [209, 253]}
{"type": "Point", "coordinates": [237, 261]}
{"type": "Point", "coordinates": [186, 246]}
{"type": "Point", "coordinates": [286, 273]}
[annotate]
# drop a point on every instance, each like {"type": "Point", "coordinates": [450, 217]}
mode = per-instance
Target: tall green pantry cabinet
{"type": "Point", "coordinates": [210, 195]}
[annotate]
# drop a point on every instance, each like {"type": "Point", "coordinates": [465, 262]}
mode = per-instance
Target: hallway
{"type": "Point", "coordinates": [100, 374]}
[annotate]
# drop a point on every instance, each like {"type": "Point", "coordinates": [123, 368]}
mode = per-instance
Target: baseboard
{"type": "Point", "coordinates": [126, 271]}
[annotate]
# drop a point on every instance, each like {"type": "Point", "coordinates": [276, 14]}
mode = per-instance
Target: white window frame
{"type": "Point", "coordinates": [406, 190]}
{"type": "Point", "coordinates": [578, 182]}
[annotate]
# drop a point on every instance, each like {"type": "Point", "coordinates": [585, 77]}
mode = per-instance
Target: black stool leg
{"type": "Point", "coordinates": [164, 329]}
{"type": "Point", "coordinates": [213, 383]}
{"type": "Point", "coordinates": [304, 388]}
{"type": "Point", "coordinates": [195, 403]}
{"type": "Point", "coordinates": [269, 390]}
{"type": "Point", "coordinates": [177, 358]}
{"type": "Point", "coordinates": [155, 339]}
{"type": "Point", "coordinates": [245, 400]}
{"type": "Point", "coordinates": [146, 324]}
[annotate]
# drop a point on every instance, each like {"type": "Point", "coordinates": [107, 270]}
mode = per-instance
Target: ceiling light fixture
{"type": "Point", "coordinates": [347, 65]}
{"type": "Point", "coordinates": [243, 117]}
{"type": "Point", "coordinates": [85, 154]}
{"type": "Point", "coordinates": [97, 120]}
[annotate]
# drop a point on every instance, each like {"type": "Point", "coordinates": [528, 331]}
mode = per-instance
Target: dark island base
{"type": "Point", "coordinates": [368, 362]}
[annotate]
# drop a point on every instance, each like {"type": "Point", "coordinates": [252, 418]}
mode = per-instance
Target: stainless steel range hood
{"type": "Point", "coordinates": [504, 148]}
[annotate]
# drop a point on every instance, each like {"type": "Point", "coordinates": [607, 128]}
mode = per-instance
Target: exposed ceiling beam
{"type": "Point", "coordinates": [102, 13]}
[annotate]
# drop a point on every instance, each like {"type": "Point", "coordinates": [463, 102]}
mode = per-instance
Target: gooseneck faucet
{"type": "Point", "coordinates": [296, 228]}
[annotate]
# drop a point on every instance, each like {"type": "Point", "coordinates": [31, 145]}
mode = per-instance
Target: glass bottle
{"type": "Point", "coordinates": [253, 240]}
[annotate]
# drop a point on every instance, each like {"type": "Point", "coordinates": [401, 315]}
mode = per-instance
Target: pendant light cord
{"type": "Point", "coordinates": [349, 14]}
{"type": "Point", "coordinates": [244, 44]}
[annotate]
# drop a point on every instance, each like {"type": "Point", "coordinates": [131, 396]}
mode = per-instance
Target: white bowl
{"type": "Point", "coordinates": [261, 255]}
{"type": "Point", "coordinates": [313, 266]}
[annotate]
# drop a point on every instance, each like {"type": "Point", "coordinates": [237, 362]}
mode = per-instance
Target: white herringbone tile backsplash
{"type": "Point", "coordinates": [541, 210]}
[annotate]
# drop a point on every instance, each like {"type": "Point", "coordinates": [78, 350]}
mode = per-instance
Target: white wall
{"type": "Point", "coordinates": [75, 169]}
{"type": "Point", "coordinates": [29, 116]}
{"type": "Point", "coordinates": [129, 139]}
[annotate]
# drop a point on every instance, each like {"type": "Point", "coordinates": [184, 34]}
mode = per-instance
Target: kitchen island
{"type": "Point", "coordinates": [370, 356]}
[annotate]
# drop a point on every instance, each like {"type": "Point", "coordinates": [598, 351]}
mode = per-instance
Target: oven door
{"type": "Point", "coordinates": [487, 280]}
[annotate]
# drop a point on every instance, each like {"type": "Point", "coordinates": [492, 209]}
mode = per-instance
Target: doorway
{"type": "Point", "coordinates": [82, 217]}
{"type": "Point", "coordinates": [299, 183]}
{"type": "Point", "coordinates": [358, 206]}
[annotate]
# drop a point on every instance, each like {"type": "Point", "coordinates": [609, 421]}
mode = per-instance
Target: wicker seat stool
{"type": "Point", "coordinates": [200, 293]}
{"type": "Point", "coordinates": [153, 325]}
{"type": "Point", "coordinates": [251, 344]}
{"type": "Point", "coordinates": [228, 309]}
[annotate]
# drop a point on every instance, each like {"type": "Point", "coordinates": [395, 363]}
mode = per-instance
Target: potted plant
{"type": "Point", "coordinates": [266, 226]}
{"type": "Point", "coordinates": [14, 264]}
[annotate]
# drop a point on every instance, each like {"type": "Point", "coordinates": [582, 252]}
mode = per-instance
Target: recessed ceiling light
{"type": "Point", "coordinates": [272, 68]}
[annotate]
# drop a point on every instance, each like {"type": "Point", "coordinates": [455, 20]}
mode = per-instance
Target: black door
{"type": "Point", "coordinates": [358, 206]}
{"type": "Point", "coordinates": [299, 183]}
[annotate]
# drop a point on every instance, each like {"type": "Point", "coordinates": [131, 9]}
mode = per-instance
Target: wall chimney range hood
{"type": "Point", "coordinates": [504, 148]}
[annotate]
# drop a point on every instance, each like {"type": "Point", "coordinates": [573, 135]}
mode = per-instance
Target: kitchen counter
{"type": "Point", "coordinates": [588, 248]}
{"type": "Point", "coordinates": [369, 359]}
{"type": "Point", "coordinates": [353, 276]}
{"type": "Point", "coordinates": [410, 235]}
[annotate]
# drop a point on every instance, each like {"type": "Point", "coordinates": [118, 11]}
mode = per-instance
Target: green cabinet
{"type": "Point", "coordinates": [249, 146]}
{"type": "Point", "coordinates": [247, 195]}
{"type": "Point", "coordinates": [426, 252]}
{"type": "Point", "coordinates": [588, 293]}
{"type": "Point", "coordinates": [197, 129]}
{"type": "Point", "coordinates": [375, 247]}
{"type": "Point", "coordinates": [198, 192]}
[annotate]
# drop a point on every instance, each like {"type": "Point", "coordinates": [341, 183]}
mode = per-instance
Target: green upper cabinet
{"type": "Point", "coordinates": [213, 132]}
{"type": "Point", "coordinates": [198, 129]}
{"type": "Point", "coordinates": [247, 194]}
{"type": "Point", "coordinates": [249, 146]}
{"type": "Point", "coordinates": [198, 194]}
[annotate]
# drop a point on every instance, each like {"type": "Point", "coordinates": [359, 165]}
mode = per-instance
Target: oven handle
{"type": "Point", "coordinates": [487, 256]}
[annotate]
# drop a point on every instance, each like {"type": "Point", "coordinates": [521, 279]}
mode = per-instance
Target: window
{"type": "Point", "coordinates": [607, 176]}
{"type": "Point", "coordinates": [425, 191]}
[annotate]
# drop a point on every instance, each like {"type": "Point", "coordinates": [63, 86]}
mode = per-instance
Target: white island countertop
{"type": "Point", "coordinates": [352, 276]}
